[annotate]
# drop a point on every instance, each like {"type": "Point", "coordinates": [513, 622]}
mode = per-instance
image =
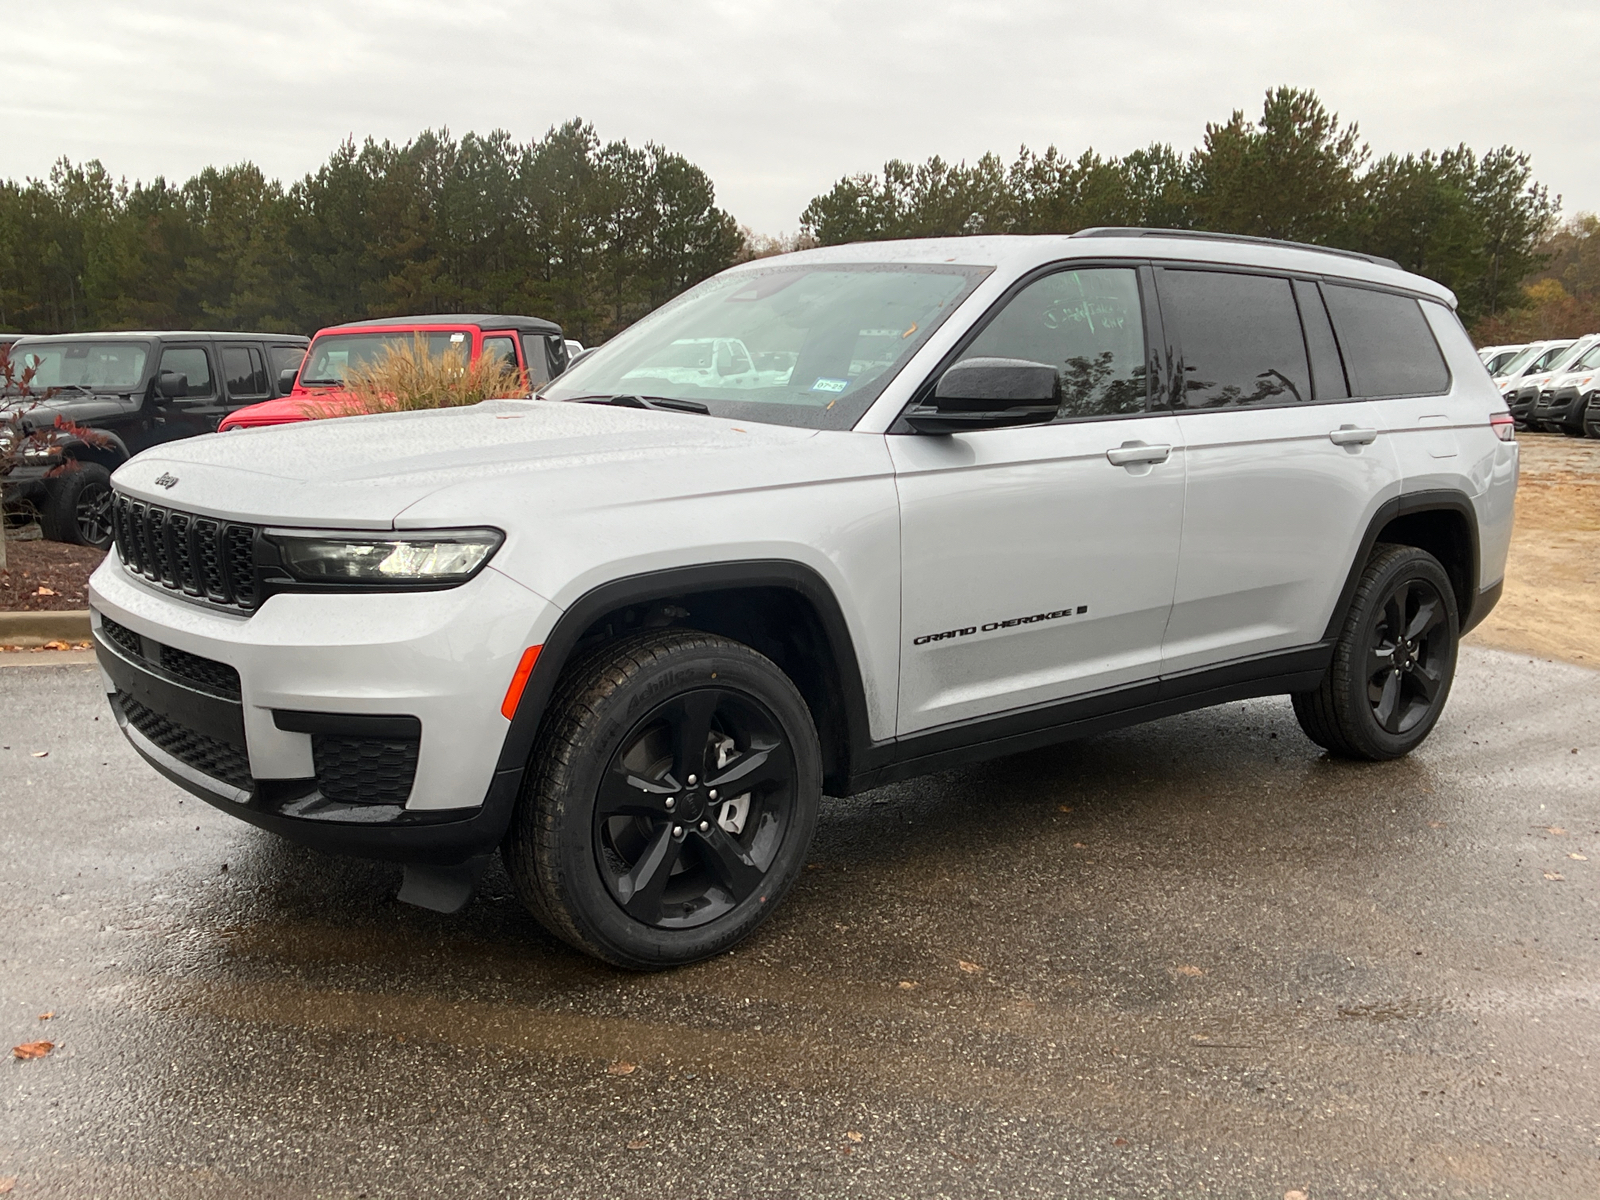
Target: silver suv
{"type": "Point", "coordinates": [950, 499]}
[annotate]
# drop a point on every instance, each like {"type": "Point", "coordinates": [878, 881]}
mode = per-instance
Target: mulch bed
{"type": "Point", "coordinates": [45, 576]}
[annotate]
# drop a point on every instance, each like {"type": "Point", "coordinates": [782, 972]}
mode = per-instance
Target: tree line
{"type": "Point", "coordinates": [594, 235]}
{"type": "Point", "coordinates": [1473, 222]}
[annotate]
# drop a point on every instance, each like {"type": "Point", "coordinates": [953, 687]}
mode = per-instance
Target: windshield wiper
{"type": "Point", "coordinates": [671, 403]}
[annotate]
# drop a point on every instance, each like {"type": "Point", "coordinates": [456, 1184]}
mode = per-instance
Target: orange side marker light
{"type": "Point", "coordinates": [519, 681]}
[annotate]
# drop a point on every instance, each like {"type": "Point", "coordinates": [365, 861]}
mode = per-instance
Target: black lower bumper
{"type": "Point", "coordinates": [1563, 408]}
{"type": "Point", "coordinates": [194, 735]}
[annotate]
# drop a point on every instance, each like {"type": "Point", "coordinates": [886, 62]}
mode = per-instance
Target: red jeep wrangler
{"type": "Point", "coordinates": [533, 345]}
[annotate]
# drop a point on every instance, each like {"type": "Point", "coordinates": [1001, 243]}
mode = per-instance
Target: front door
{"type": "Point", "coordinates": [200, 407]}
{"type": "Point", "coordinates": [1038, 563]}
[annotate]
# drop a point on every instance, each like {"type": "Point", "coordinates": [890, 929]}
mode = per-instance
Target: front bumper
{"type": "Point", "coordinates": [1560, 405]}
{"type": "Point", "coordinates": [360, 724]}
{"type": "Point", "coordinates": [1521, 403]}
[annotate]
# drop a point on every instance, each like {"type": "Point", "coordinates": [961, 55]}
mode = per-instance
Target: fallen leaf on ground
{"type": "Point", "coordinates": [32, 1050]}
{"type": "Point", "coordinates": [1079, 846]}
{"type": "Point", "coordinates": [45, 1016]}
{"type": "Point", "coordinates": [40, 754]}
{"type": "Point", "coordinates": [621, 1068]}
{"type": "Point", "coordinates": [1191, 971]}
{"type": "Point", "coordinates": [639, 1144]}
{"type": "Point", "coordinates": [1435, 824]}
{"type": "Point", "coordinates": [969, 968]}
{"type": "Point", "coordinates": [57, 646]}
{"type": "Point", "coordinates": [1555, 829]}
{"type": "Point", "coordinates": [1295, 1194]}
{"type": "Point", "coordinates": [1063, 808]}
{"type": "Point", "coordinates": [1119, 1141]}
{"type": "Point", "coordinates": [1556, 875]}
{"type": "Point", "coordinates": [44, 591]}
{"type": "Point", "coordinates": [853, 1136]}
{"type": "Point", "coordinates": [6, 1184]}
{"type": "Point", "coordinates": [907, 984]}
{"type": "Point", "coordinates": [1579, 857]}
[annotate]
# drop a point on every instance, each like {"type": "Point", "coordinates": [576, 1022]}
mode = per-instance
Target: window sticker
{"type": "Point", "coordinates": [830, 385]}
{"type": "Point", "coordinates": [458, 337]}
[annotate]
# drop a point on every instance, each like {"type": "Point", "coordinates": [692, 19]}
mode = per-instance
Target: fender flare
{"type": "Point", "coordinates": [786, 574]}
{"type": "Point", "coordinates": [1432, 500]}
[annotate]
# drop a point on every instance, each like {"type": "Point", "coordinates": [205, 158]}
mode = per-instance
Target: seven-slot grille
{"type": "Point", "coordinates": [199, 556]}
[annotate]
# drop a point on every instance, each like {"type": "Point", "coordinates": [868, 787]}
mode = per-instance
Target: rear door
{"type": "Point", "coordinates": [1038, 562]}
{"type": "Point", "coordinates": [1284, 466]}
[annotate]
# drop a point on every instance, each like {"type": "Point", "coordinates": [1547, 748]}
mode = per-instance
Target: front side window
{"type": "Point", "coordinates": [335, 355]}
{"type": "Point", "coordinates": [190, 361]}
{"type": "Point", "coordinates": [98, 366]}
{"type": "Point", "coordinates": [500, 350]}
{"type": "Point", "coordinates": [1389, 350]}
{"type": "Point", "coordinates": [1088, 324]}
{"type": "Point", "coordinates": [1240, 337]}
{"type": "Point", "coordinates": [807, 345]}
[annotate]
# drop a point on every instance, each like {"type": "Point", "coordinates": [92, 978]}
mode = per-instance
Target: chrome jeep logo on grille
{"type": "Point", "coordinates": [165, 480]}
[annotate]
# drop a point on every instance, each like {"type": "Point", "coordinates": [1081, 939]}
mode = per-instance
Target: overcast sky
{"type": "Point", "coordinates": [776, 101]}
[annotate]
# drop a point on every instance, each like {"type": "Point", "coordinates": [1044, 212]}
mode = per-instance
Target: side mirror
{"type": "Point", "coordinates": [173, 385]}
{"type": "Point", "coordinates": [989, 393]}
{"type": "Point", "coordinates": [286, 378]}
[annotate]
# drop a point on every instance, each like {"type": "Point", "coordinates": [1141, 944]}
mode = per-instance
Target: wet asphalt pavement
{"type": "Point", "coordinates": [1192, 959]}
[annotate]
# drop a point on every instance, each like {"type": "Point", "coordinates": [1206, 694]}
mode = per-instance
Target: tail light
{"type": "Point", "coordinates": [1505, 428]}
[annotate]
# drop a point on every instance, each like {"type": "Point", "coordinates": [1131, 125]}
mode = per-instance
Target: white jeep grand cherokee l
{"type": "Point", "coordinates": [987, 494]}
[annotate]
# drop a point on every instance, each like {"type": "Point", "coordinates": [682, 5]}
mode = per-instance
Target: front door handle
{"type": "Point", "coordinates": [1131, 454]}
{"type": "Point", "coordinates": [1349, 435]}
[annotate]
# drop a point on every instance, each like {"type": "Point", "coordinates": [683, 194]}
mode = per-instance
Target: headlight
{"type": "Point", "coordinates": [421, 559]}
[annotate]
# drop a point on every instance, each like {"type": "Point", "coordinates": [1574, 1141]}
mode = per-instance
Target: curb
{"type": "Point", "coordinates": [37, 628]}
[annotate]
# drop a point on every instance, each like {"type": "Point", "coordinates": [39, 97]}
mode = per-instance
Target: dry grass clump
{"type": "Point", "coordinates": [409, 378]}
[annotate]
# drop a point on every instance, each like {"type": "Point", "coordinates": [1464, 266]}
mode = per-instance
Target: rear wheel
{"type": "Point", "coordinates": [77, 506]}
{"type": "Point", "coordinates": [1394, 661]}
{"type": "Point", "coordinates": [671, 800]}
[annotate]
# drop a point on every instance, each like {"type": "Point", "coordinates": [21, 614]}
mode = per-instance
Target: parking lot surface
{"type": "Point", "coordinates": [1197, 958]}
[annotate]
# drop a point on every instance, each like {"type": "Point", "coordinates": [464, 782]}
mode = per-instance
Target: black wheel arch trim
{"type": "Point", "coordinates": [665, 584]}
{"type": "Point", "coordinates": [1472, 609]}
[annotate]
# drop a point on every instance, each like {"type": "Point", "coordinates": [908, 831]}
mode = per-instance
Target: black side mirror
{"type": "Point", "coordinates": [989, 393]}
{"type": "Point", "coordinates": [286, 378]}
{"type": "Point", "coordinates": [173, 385]}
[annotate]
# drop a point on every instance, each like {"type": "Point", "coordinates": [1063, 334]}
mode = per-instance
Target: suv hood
{"type": "Point", "coordinates": [363, 472]}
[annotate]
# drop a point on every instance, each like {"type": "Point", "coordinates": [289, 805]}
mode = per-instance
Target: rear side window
{"type": "Point", "coordinates": [1388, 348]}
{"type": "Point", "coordinates": [287, 358]}
{"type": "Point", "coordinates": [1088, 324]}
{"type": "Point", "coordinates": [1240, 338]}
{"type": "Point", "coordinates": [533, 354]}
{"type": "Point", "coordinates": [245, 371]}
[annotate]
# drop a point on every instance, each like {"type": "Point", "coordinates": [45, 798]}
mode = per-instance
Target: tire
{"type": "Point", "coordinates": [1381, 696]}
{"type": "Point", "coordinates": [77, 506]}
{"type": "Point", "coordinates": [615, 851]}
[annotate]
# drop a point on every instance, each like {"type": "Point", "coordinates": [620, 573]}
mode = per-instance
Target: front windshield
{"type": "Point", "coordinates": [1497, 361]}
{"type": "Point", "coordinates": [103, 366]}
{"type": "Point", "coordinates": [1516, 365]}
{"type": "Point", "coordinates": [1550, 359]}
{"type": "Point", "coordinates": [807, 345]}
{"type": "Point", "coordinates": [334, 355]}
{"type": "Point", "coordinates": [1590, 359]}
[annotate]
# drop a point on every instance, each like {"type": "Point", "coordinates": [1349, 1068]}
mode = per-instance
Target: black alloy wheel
{"type": "Point", "coordinates": [92, 514]}
{"type": "Point", "coordinates": [1408, 654]}
{"type": "Point", "coordinates": [1393, 662]}
{"type": "Point", "coordinates": [670, 799]}
{"type": "Point", "coordinates": [693, 808]}
{"type": "Point", "coordinates": [77, 505]}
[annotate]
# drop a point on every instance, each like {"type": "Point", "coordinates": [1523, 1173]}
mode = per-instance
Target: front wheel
{"type": "Point", "coordinates": [1394, 661]}
{"type": "Point", "coordinates": [670, 802]}
{"type": "Point", "coordinates": [77, 506]}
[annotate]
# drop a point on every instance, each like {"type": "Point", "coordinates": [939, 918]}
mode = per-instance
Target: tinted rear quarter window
{"type": "Point", "coordinates": [1388, 348]}
{"type": "Point", "coordinates": [1239, 336]}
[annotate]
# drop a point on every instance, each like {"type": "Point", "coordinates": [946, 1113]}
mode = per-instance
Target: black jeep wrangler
{"type": "Point", "coordinates": [134, 390]}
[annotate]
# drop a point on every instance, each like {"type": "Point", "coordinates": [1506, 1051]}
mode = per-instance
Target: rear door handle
{"type": "Point", "coordinates": [1131, 454]}
{"type": "Point", "coordinates": [1349, 435]}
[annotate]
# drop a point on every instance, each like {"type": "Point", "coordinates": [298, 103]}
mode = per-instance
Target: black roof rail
{"type": "Point", "coordinates": [1131, 231]}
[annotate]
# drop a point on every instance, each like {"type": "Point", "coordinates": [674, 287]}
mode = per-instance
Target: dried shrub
{"type": "Point", "coordinates": [409, 378]}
